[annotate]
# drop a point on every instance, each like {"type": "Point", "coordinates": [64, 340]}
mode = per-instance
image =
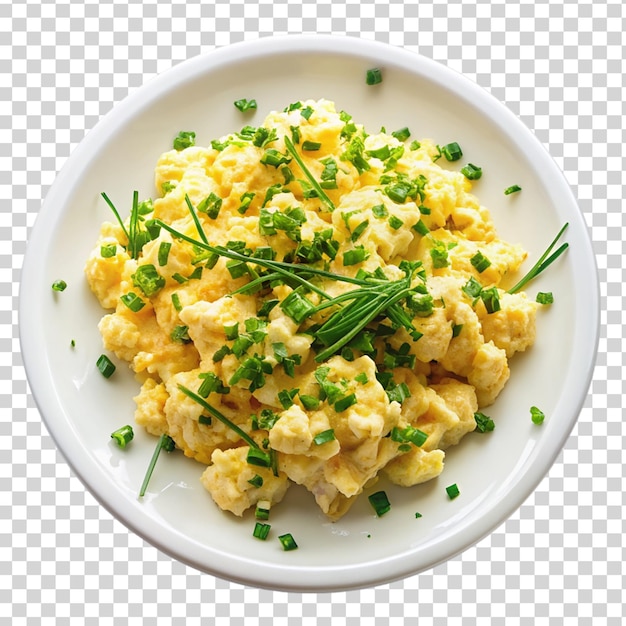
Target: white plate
{"type": "Point", "coordinates": [495, 472]}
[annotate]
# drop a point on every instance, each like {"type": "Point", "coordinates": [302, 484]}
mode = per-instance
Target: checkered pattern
{"type": "Point", "coordinates": [559, 66]}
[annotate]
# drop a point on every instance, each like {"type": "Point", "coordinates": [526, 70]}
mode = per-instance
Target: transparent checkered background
{"type": "Point", "coordinates": [560, 67]}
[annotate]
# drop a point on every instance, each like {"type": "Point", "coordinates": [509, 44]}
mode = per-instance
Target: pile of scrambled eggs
{"type": "Point", "coordinates": [391, 399]}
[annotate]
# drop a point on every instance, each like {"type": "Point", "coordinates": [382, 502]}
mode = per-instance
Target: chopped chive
{"type": "Point", "coordinates": [380, 211]}
{"type": "Point", "coordinates": [309, 402]}
{"type": "Point", "coordinates": [211, 205]}
{"type": "Point", "coordinates": [296, 306]}
{"type": "Point", "coordinates": [176, 302]}
{"type": "Point", "coordinates": [245, 105]}
{"type": "Point", "coordinates": [471, 172]}
{"type": "Point", "coordinates": [105, 365]}
{"type": "Point", "coordinates": [398, 393]}
{"type": "Point", "coordinates": [380, 503]}
{"type": "Point", "coordinates": [262, 510]}
{"type": "Point", "coordinates": [402, 134]}
{"type": "Point", "coordinates": [245, 200]}
{"type": "Point", "coordinates": [261, 530]}
{"type": "Point", "coordinates": [306, 112]}
{"type": "Point", "coordinates": [421, 228]}
{"type": "Point", "coordinates": [59, 285]}
{"type": "Point", "coordinates": [211, 383]}
{"type": "Point", "coordinates": [359, 230]}
{"type": "Point", "coordinates": [545, 297]}
{"type": "Point", "coordinates": [373, 76]}
{"type": "Point", "coordinates": [452, 151]}
{"type": "Point", "coordinates": [180, 334]}
{"type": "Point", "coordinates": [123, 435]}
{"type": "Point", "coordinates": [132, 301]}
{"type": "Point", "coordinates": [285, 397]}
{"type": "Point", "coordinates": [311, 145]}
{"type": "Point", "coordinates": [418, 515]}
{"type": "Point", "coordinates": [108, 251]}
{"type": "Point", "coordinates": [258, 457]}
{"type": "Point", "coordinates": [219, 354]}
{"type": "Point", "coordinates": [324, 437]}
{"type": "Point", "coordinates": [452, 491]}
{"type": "Point", "coordinates": [472, 288]}
{"type": "Point", "coordinates": [256, 481]}
{"type": "Point", "coordinates": [231, 331]}
{"type": "Point", "coordinates": [355, 256]}
{"type": "Point", "coordinates": [491, 299]}
{"type": "Point", "coordinates": [439, 256]}
{"type": "Point", "coordinates": [512, 189]}
{"type": "Point", "coordinates": [484, 423]}
{"type": "Point", "coordinates": [164, 252]}
{"type": "Point", "coordinates": [288, 542]}
{"type": "Point", "coordinates": [415, 145]}
{"type": "Point", "coordinates": [361, 378]}
{"type": "Point", "coordinates": [207, 420]}
{"type": "Point", "coordinates": [148, 280]}
{"type": "Point", "coordinates": [395, 222]}
{"type": "Point", "coordinates": [184, 139]}
{"type": "Point", "coordinates": [537, 415]}
{"type": "Point", "coordinates": [480, 262]}
{"type": "Point", "coordinates": [166, 443]}
{"type": "Point", "coordinates": [73, 343]}
{"type": "Point", "coordinates": [274, 158]}
{"type": "Point", "coordinates": [382, 153]}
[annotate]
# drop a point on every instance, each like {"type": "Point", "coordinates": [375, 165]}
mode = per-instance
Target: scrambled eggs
{"type": "Point", "coordinates": [310, 188]}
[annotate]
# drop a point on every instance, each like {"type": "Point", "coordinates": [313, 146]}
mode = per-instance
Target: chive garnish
{"type": "Point", "coordinates": [261, 530]}
{"type": "Point", "coordinates": [184, 139]}
{"type": "Point", "coordinates": [480, 262]}
{"type": "Point", "coordinates": [288, 542]}
{"type": "Point", "coordinates": [218, 415]}
{"type": "Point", "coordinates": [132, 301]}
{"type": "Point", "coordinates": [262, 510]}
{"type": "Point", "coordinates": [373, 76]}
{"type": "Point", "coordinates": [471, 171]}
{"type": "Point", "coordinates": [484, 423]}
{"type": "Point", "coordinates": [402, 134]}
{"type": "Point", "coordinates": [108, 251]}
{"type": "Point", "coordinates": [545, 297]}
{"type": "Point", "coordinates": [123, 435]}
{"type": "Point", "coordinates": [59, 285]}
{"type": "Point", "coordinates": [311, 146]}
{"type": "Point", "coordinates": [164, 252]}
{"type": "Point", "coordinates": [452, 151]}
{"type": "Point", "coordinates": [512, 189]}
{"type": "Point", "coordinates": [105, 366]}
{"type": "Point", "coordinates": [543, 262]}
{"type": "Point", "coordinates": [166, 443]}
{"type": "Point", "coordinates": [256, 481]}
{"type": "Point", "coordinates": [244, 104]}
{"type": "Point", "coordinates": [380, 503]}
{"type": "Point", "coordinates": [452, 491]}
{"type": "Point", "coordinates": [537, 415]}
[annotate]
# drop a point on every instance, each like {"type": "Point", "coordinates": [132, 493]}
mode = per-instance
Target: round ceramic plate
{"type": "Point", "coordinates": [495, 472]}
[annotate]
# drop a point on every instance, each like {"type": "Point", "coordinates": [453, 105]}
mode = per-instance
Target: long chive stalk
{"type": "Point", "coordinates": [318, 189]}
{"type": "Point", "coordinates": [218, 415]}
{"type": "Point", "coordinates": [543, 262]}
